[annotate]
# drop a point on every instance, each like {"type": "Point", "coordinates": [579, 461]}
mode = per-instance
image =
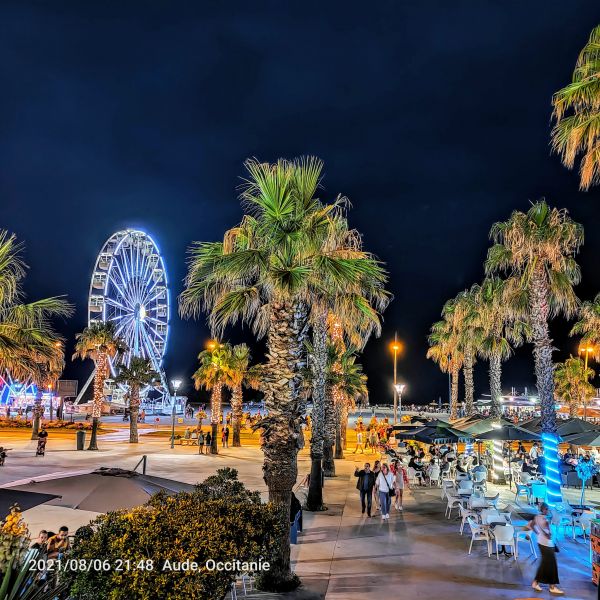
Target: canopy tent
{"type": "Point", "coordinates": [25, 500]}
{"type": "Point", "coordinates": [564, 427]}
{"type": "Point", "coordinates": [104, 489]}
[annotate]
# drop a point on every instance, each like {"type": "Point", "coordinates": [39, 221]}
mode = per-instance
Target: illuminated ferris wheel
{"type": "Point", "coordinates": [129, 287]}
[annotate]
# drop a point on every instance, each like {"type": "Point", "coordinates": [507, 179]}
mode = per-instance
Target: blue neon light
{"type": "Point", "coordinates": [553, 482]}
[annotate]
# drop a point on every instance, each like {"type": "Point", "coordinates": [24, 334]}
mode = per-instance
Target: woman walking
{"type": "Point", "coordinates": [384, 484]}
{"type": "Point", "coordinates": [399, 485]}
{"type": "Point", "coordinates": [548, 570]}
{"type": "Point", "coordinates": [376, 471]}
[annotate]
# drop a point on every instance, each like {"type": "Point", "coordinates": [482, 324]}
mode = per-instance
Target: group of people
{"type": "Point", "coordinates": [383, 483]}
{"type": "Point", "coordinates": [52, 545]}
{"type": "Point", "coordinates": [204, 440]}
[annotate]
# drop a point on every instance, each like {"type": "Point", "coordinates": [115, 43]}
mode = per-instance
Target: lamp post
{"type": "Point", "coordinates": [399, 388]}
{"type": "Point", "coordinates": [587, 350]}
{"type": "Point", "coordinates": [176, 383]}
{"type": "Point", "coordinates": [395, 347]}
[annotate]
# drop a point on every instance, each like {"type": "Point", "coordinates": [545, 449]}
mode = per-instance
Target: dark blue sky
{"type": "Point", "coordinates": [433, 118]}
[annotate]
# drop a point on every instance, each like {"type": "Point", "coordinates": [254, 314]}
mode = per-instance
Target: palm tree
{"type": "Point", "coordinates": [266, 272]}
{"type": "Point", "coordinates": [588, 324]}
{"type": "Point", "coordinates": [538, 248]}
{"type": "Point", "coordinates": [240, 373]}
{"type": "Point", "coordinates": [572, 383]}
{"type": "Point", "coordinates": [577, 115]}
{"type": "Point", "coordinates": [30, 349]}
{"type": "Point", "coordinates": [99, 342]}
{"type": "Point", "coordinates": [446, 348]}
{"type": "Point", "coordinates": [213, 374]}
{"type": "Point", "coordinates": [345, 382]}
{"type": "Point", "coordinates": [137, 375]}
{"type": "Point", "coordinates": [500, 331]}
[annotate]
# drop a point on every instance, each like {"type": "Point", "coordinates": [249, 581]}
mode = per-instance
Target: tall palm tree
{"type": "Point", "coordinates": [353, 295]}
{"type": "Point", "coordinates": [572, 383]}
{"type": "Point", "coordinates": [500, 328]}
{"type": "Point", "coordinates": [240, 374]}
{"type": "Point", "coordinates": [214, 374]}
{"type": "Point", "coordinates": [538, 249]}
{"type": "Point", "coordinates": [577, 115]}
{"type": "Point", "coordinates": [30, 348]}
{"type": "Point", "coordinates": [266, 272]}
{"type": "Point", "coordinates": [99, 342]}
{"type": "Point", "coordinates": [346, 382]}
{"type": "Point", "coordinates": [588, 324]}
{"type": "Point", "coordinates": [137, 375]}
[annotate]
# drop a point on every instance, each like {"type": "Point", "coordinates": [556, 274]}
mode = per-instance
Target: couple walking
{"type": "Point", "coordinates": [387, 485]}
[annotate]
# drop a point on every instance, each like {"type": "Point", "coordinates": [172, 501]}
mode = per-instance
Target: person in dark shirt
{"type": "Point", "coordinates": [295, 508]}
{"type": "Point", "coordinates": [365, 485]}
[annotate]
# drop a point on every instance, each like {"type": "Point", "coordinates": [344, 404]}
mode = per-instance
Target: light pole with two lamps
{"type": "Point", "coordinates": [176, 383]}
{"type": "Point", "coordinates": [399, 388]}
{"type": "Point", "coordinates": [396, 347]}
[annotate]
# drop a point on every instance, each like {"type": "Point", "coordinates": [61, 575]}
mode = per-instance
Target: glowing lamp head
{"type": "Point", "coordinates": [176, 383]}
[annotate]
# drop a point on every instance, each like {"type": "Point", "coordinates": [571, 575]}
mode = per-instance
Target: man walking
{"type": "Point", "coordinates": [365, 485]}
{"type": "Point", "coordinates": [359, 441]}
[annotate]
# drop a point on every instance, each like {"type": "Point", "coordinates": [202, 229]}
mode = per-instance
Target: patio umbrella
{"type": "Point", "coordinates": [104, 490]}
{"type": "Point", "coordinates": [25, 500]}
{"type": "Point", "coordinates": [587, 438]}
{"type": "Point", "coordinates": [484, 425]}
{"type": "Point", "coordinates": [532, 424]}
{"type": "Point", "coordinates": [429, 435]}
{"type": "Point", "coordinates": [575, 426]}
{"type": "Point", "coordinates": [509, 433]}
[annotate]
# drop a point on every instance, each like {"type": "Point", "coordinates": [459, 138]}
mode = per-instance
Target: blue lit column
{"type": "Point", "coordinates": [550, 441]}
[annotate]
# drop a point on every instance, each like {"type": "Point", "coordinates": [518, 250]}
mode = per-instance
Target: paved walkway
{"type": "Point", "coordinates": [342, 555]}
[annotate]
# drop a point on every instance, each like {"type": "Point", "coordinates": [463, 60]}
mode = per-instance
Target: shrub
{"type": "Point", "coordinates": [221, 520]}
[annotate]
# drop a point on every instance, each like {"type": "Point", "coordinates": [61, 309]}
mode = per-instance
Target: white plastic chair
{"type": "Point", "coordinates": [447, 487]}
{"type": "Point", "coordinates": [522, 490]}
{"type": "Point", "coordinates": [479, 532]}
{"type": "Point", "coordinates": [453, 502]}
{"type": "Point", "coordinates": [493, 500]}
{"type": "Point", "coordinates": [479, 481]}
{"type": "Point", "coordinates": [525, 534]}
{"type": "Point", "coordinates": [504, 535]}
{"type": "Point", "coordinates": [475, 502]}
{"type": "Point", "coordinates": [465, 514]}
{"type": "Point", "coordinates": [584, 521]}
{"type": "Point", "coordinates": [465, 485]}
{"type": "Point", "coordinates": [562, 516]}
{"type": "Point", "coordinates": [434, 476]}
{"type": "Point", "coordinates": [488, 512]}
{"type": "Point", "coordinates": [412, 475]}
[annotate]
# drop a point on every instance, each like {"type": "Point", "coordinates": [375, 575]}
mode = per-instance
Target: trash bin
{"type": "Point", "coordinates": [80, 439]}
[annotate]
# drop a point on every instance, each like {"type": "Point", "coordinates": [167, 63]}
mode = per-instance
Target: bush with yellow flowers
{"type": "Point", "coordinates": [141, 549]}
{"type": "Point", "coordinates": [14, 539]}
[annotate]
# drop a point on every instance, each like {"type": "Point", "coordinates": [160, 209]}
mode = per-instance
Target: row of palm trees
{"type": "Point", "coordinates": [297, 274]}
{"type": "Point", "coordinates": [30, 348]}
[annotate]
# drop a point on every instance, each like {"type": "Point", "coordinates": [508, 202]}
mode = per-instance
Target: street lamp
{"type": "Point", "coordinates": [176, 383]}
{"type": "Point", "coordinates": [399, 388]}
{"type": "Point", "coordinates": [587, 350]}
{"type": "Point", "coordinates": [396, 346]}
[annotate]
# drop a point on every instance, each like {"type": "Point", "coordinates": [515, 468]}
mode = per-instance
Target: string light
{"type": "Point", "coordinates": [550, 441]}
{"type": "Point", "coordinates": [497, 458]}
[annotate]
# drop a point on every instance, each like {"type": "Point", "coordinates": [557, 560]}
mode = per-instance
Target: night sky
{"type": "Point", "coordinates": [433, 118]}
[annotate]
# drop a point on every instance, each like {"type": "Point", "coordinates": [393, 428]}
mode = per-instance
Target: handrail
{"type": "Point", "coordinates": [144, 460]}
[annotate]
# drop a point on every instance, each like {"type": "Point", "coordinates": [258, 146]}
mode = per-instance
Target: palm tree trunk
{"type": "Point", "coordinates": [134, 408]}
{"type": "Point", "coordinates": [544, 372]}
{"type": "Point", "coordinates": [339, 450]}
{"type": "Point", "coordinates": [542, 350]}
{"type": "Point", "coordinates": [495, 384]}
{"type": "Point", "coordinates": [38, 411]}
{"type": "Point", "coordinates": [344, 425]}
{"type": "Point", "coordinates": [236, 410]}
{"type": "Point", "coordinates": [454, 395]}
{"type": "Point", "coordinates": [99, 378]}
{"type": "Point", "coordinates": [282, 428]}
{"type": "Point", "coordinates": [329, 439]}
{"type": "Point", "coordinates": [314, 499]}
{"type": "Point", "coordinates": [469, 386]}
{"type": "Point", "coordinates": [216, 400]}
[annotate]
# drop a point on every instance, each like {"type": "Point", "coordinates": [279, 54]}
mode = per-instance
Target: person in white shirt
{"type": "Point", "coordinates": [384, 485]}
{"type": "Point", "coordinates": [534, 452]}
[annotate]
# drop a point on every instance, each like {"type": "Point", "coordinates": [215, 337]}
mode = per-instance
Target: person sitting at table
{"type": "Point", "coordinates": [534, 453]}
{"type": "Point", "coordinates": [415, 463]}
{"type": "Point", "coordinates": [444, 467]}
{"type": "Point", "coordinates": [461, 467]}
{"type": "Point", "coordinates": [521, 449]}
